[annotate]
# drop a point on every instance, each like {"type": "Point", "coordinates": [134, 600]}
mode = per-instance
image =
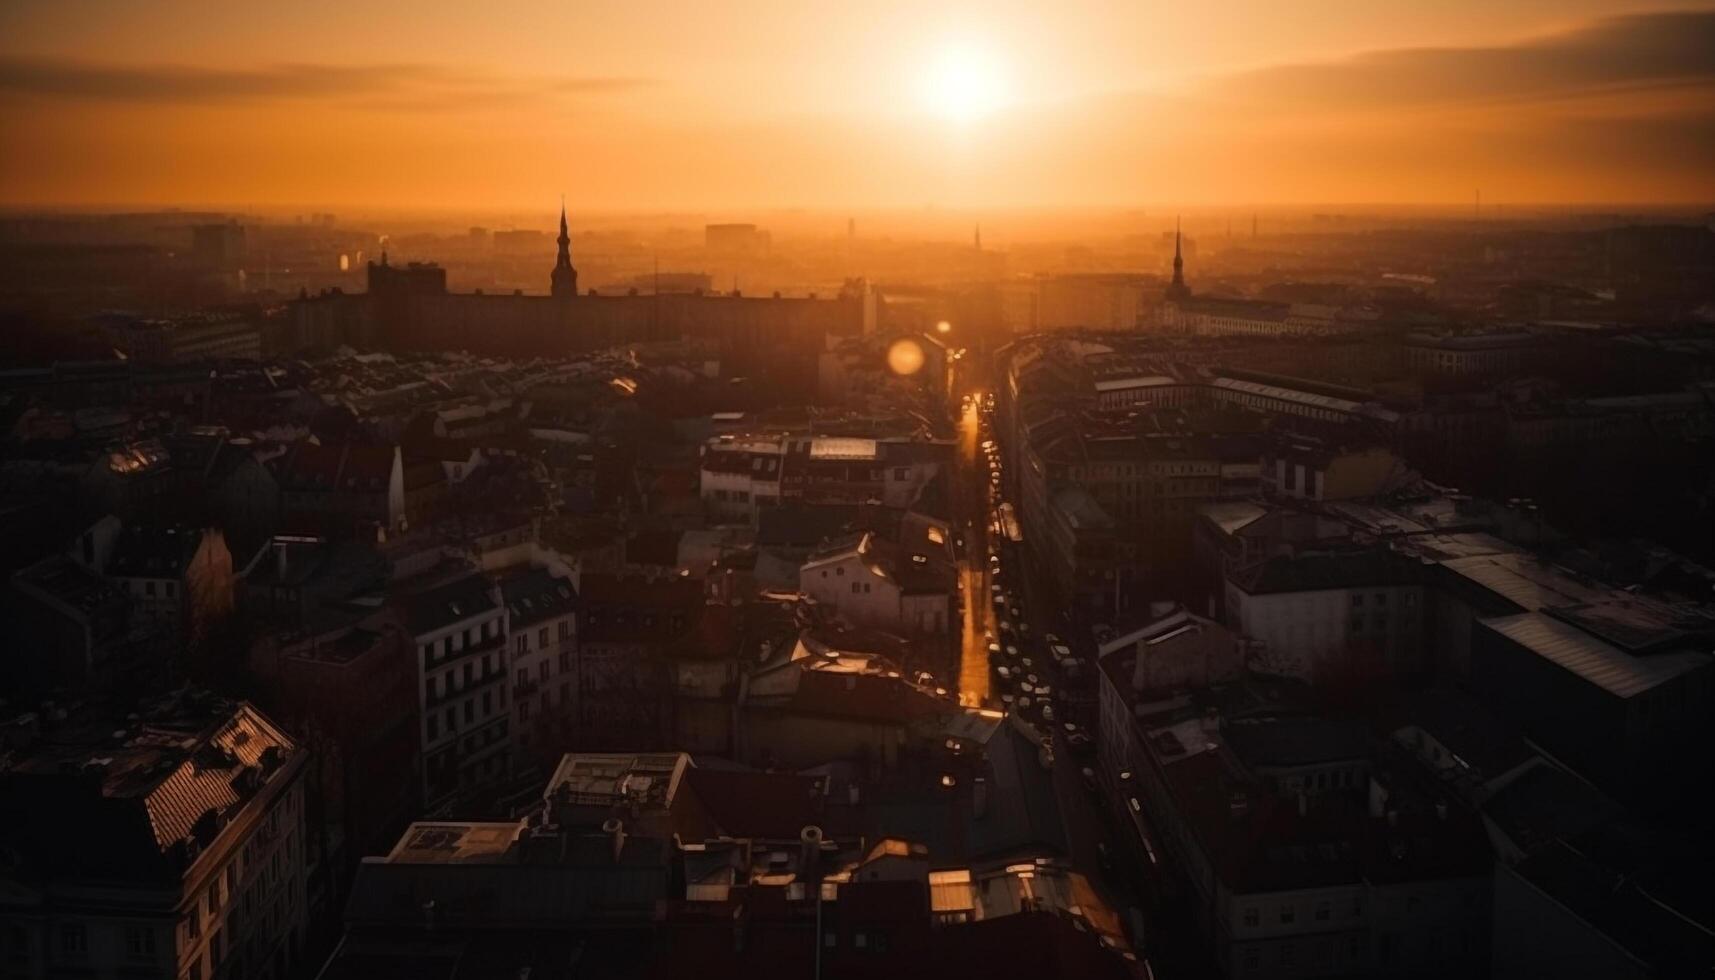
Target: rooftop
{"type": "Point", "coordinates": [1622, 674]}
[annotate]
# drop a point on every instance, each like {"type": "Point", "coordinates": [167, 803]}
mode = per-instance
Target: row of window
{"type": "Point", "coordinates": [453, 643]}
{"type": "Point", "coordinates": [521, 640]}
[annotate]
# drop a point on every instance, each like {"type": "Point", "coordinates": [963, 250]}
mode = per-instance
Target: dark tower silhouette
{"type": "Point", "coordinates": [1178, 289]}
{"type": "Point", "coordinates": [564, 278]}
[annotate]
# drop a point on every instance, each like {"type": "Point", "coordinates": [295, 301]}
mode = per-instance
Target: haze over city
{"type": "Point", "coordinates": [659, 105]}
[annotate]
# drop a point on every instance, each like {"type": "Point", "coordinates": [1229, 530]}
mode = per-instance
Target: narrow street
{"type": "Point", "coordinates": [969, 478]}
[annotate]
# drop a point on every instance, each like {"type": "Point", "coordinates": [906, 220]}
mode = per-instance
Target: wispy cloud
{"type": "Point", "coordinates": [408, 84]}
{"type": "Point", "coordinates": [1672, 49]}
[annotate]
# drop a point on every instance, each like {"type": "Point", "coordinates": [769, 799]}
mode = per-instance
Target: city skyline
{"type": "Point", "coordinates": [770, 106]}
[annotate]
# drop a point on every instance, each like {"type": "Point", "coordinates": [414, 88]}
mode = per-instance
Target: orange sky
{"type": "Point", "coordinates": [776, 103]}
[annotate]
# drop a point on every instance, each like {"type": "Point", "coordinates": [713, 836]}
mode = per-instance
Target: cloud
{"type": "Point", "coordinates": [403, 84]}
{"type": "Point", "coordinates": [1645, 51]}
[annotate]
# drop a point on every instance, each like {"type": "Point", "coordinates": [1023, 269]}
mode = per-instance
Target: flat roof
{"type": "Point", "coordinates": [1621, 674]}
{"type": "Point", "coordinates": [454, 843]}
{"type": "Point", "coordinates": [842, 447]}
{"type": "Point", "coordinates": [1121, 384]}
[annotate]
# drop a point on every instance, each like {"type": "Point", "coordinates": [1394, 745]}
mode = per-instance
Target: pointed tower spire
{"type": "Point", "coordinates": [564, 280]}
{"type": "Point", "coordinates": [1177, 290]}
{"type": "Point", "coordinates": [1178, 256]}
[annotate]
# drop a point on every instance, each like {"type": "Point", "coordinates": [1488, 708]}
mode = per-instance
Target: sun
{"type": "Point", "coordinates": [964, 83]}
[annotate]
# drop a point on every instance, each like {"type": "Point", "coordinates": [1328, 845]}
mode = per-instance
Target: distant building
{"type": "Point", "coordinates": [735, 238]}
{"type": "Point", "coordinates": [184, 338]}
{"type": "Point", "coordinates": [409, 308]}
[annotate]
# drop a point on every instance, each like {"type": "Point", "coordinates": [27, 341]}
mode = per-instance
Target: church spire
{"type": "Point", "coordinates": [1177, 290]}
{"type": "Point", "coordinates": [1178, 258]}
{"type": "Point", "coordinates": [564, 280]}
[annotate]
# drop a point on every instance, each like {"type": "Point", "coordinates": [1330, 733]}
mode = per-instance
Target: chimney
{"type": "Point", "coordinates": [615, 829]}
{"type": "Point", "coordinates": [980, 797]}
{"type": "Point", "coordinates": [810, 850]}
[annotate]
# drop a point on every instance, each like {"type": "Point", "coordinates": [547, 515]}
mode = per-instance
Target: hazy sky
{"type": "Point", "coordinates": [648, 104]}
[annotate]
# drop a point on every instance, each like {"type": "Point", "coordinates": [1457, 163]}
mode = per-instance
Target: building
{"type": "Point", "coordinates": [349, 684]}
{"type": "Point", "coordinates": [409, 308]}
{"type": "Point", "coordinates": [168, 840]}
{"type": "Point", "coordinates": [1296, 846]}
{"type": "Point", "coordinates": [541, 612]}
{"type": "Point", "coordinates": [459, 634]}
{"type": "Point", "coordinates": [1607, 687]}
{"type": "Point", "coordinates": [179, 577]}
{"type": "Point", "coordinates": [342, 489]}
{"type": "Point", "coordinates": [740, 476]}
{"type": "Point", "coordinates": [1330, 615]}
{"type": "Point", "coordinates": [184, 337]}
{"type": "Point", "coordinates": [873, 582]}
{"type": "Point", "coordinates": [645, 865]}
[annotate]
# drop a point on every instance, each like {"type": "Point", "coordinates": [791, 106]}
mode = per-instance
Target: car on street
{"type": "Point", "coordinates": [1048, 713]}
{"type": "Point", "coordinates": [1087, 776]}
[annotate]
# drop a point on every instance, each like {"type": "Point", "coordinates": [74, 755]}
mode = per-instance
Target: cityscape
{"type": "Point", "coordinates": [768, 490]}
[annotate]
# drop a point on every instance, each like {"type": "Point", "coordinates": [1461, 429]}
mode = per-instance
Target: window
{"type": "Point", "coordinates": [434, 727]}
{"type": "Point", "coordinates": [1253, 958]}
{"type": "Point", "coordinates": [542, 637]}
{"type": "Point", "coordinates": [1324, 910]}
{"type": "Point", "coordinates": [1287, 915]}
{"type": "Point", "coordinates": [523, 676]}
{"type": "Point", "coordinates": [140, 942]}
{"type": "Point", "coordinates": [565, 662]}
{"type": "Point", "coordinates": [1251, 917]}
{"type": "Point", "coordinates": [169, 588]}
{"type": "Point", "coordinates": [74, 940]}
{"type": "Point", "coordinates": [840, 572]}
{"type": "Point", "coordinates": [469, 711]}
{"type": "Point", "coordinates": [830, 939]}
{"type": "Point", "coordinates": [857, 587]}
{"type": "Point", "coordinates": [522, 644]}
{"type": "Point", "coordinates": [1357, 600]}
{"type": "Point", "coordinates": [565, 629]}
